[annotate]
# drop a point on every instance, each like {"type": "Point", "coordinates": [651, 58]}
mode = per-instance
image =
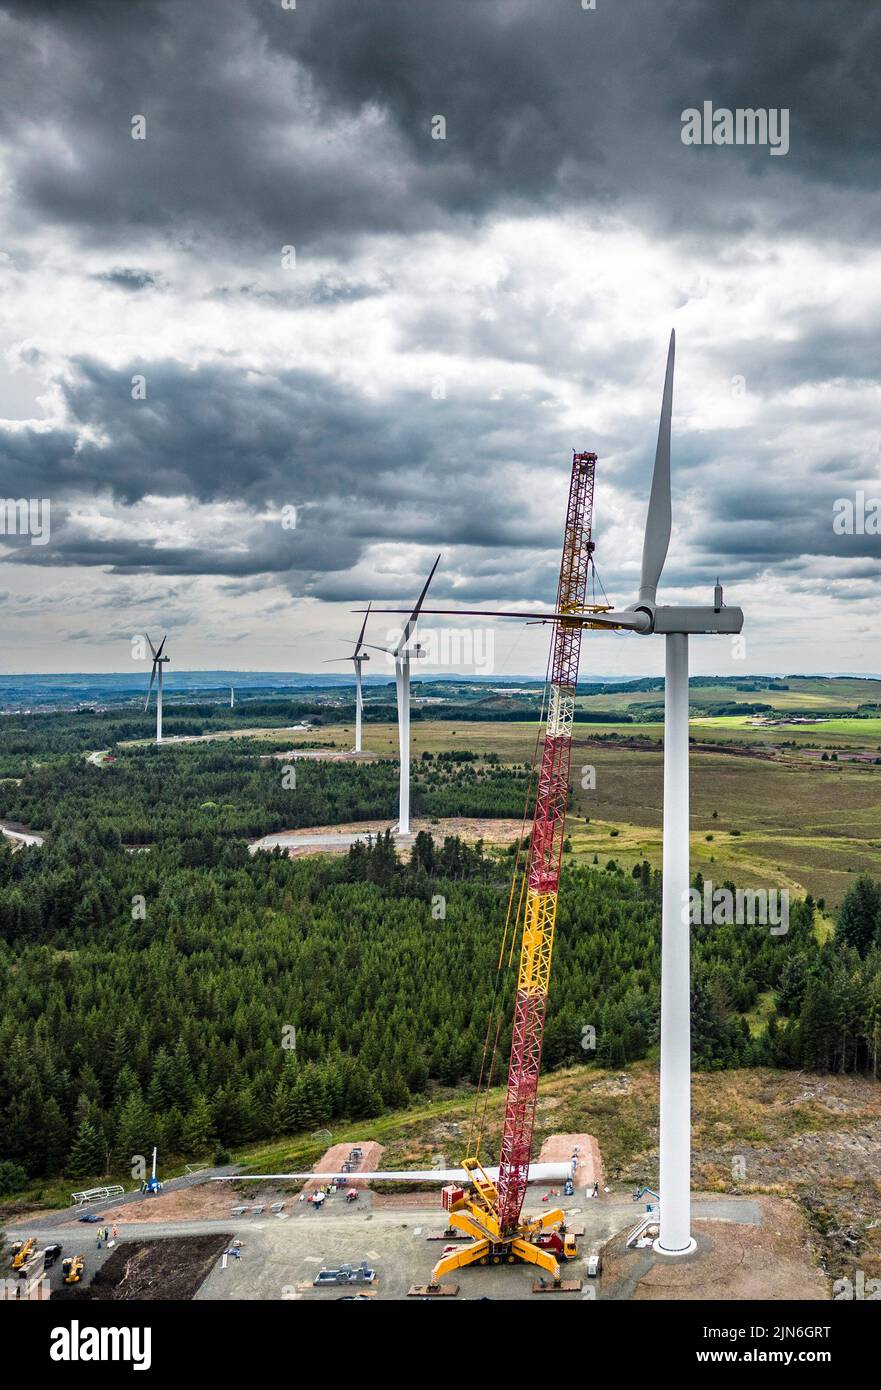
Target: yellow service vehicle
{"type": "Point", "coordinates": [72, 1268]}
{"type": "Point", "coordinates": [22, 1251]}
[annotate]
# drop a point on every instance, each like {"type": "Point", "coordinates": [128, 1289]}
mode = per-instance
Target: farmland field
{"type": "Point", "coordinates": [783, 817]}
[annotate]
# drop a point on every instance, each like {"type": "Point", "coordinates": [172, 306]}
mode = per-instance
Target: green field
{"type": "Point", "coordinates": [867, 728]}
{"type": "Point", "coordinates": [782, 816]}
{"type": "Point", "coordinates": [804, 693]}
{"type": "Point", "coordinates": [787, 803]}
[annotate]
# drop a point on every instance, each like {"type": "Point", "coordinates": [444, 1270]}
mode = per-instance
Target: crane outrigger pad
{"type": "Point", "coordinates": [561, 1286]}
{"type": "Point", "coordinates": [432, 1290]}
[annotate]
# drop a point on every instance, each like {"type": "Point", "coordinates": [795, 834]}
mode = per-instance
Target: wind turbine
{"type": "Point", "coordinates": [158, 662]}
{"type": "Point", "coordinates": [358, 656]}
{"type": "Point", "coordinates": [676, 625]}
{"type": "Point", "coordinates": [402, 654]}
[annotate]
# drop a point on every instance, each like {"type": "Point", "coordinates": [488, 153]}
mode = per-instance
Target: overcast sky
{"type": "Point", "coordinates": [456, 315]}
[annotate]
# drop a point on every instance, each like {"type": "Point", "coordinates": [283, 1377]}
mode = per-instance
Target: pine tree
{"type": "Point", "coordinates": [859, 921]}
{"type": "Point", "coordinates": [86, 1157]}
{"type": "Point", "coordinates": [54, 1141]}
{"type": "Point", "coordinates": [198, 1127]}
{"type": "Point", "coordinates": [135, 1131]}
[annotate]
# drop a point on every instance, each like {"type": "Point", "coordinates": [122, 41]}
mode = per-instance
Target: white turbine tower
{"type": "Point", "coordinates": [158, 662]}
{"type": "Point", "coordinates": [358, 657]}
{"type": "Point", "coordinates": [402, 654]}
{"type": "Point", "coordinates": [676, 625]}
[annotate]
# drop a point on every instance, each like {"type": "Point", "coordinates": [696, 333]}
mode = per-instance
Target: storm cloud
{"type": "Point", "coordinates": [290, 294]}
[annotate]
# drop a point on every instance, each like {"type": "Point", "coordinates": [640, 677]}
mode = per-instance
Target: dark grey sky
{"type": "Point", "coordinates": [457, 314]}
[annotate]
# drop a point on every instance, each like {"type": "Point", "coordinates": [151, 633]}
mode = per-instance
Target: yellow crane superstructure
{"type": "Point", "coordinates": [23, 1252]}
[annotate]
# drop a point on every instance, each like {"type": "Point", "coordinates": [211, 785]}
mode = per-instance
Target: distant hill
{"type": "Point", "coordinates": [99, 689]}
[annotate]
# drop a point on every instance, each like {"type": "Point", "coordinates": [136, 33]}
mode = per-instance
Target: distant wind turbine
{"type": "Point", "coordinates": [358, 656]}
{"type": "Point", "coordinates": [676, 625]}
{"type": "Point", "coordinates": [158, 662]}
{"type": "Point", "coordinates": [402, 654]}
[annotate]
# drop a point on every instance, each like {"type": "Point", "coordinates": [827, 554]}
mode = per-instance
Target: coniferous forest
{"type": "Point", "coordinates": [153, 795]}
{"type": "Point", "coordinates": [200, 997]}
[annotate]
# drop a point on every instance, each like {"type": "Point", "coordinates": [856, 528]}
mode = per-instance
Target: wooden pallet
{"type": "Point", "coordinates": [564, 1286]}
{"type": "Point", "coordinates": [432, 1290]}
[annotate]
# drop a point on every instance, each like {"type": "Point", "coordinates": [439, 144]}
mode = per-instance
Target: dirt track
{"type": "Point", "coordinates": [333, 1159]}
{"type": "Point", "coordinates": [212, 1201]}
{"type": "Point", "coordinates": [558, 1148]}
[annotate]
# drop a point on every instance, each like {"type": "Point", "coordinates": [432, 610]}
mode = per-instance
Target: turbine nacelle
{"type": "Point", "coordinates": [158, 662]}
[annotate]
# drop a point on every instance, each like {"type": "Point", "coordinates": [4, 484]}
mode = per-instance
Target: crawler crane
{"type": "Point", "coordinates": [492, 1212]}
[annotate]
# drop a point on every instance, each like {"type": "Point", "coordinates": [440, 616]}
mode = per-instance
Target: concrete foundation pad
{"type": "Point", "coordinates": [736, 1256]}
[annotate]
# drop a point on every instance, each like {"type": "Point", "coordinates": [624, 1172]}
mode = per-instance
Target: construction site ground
{"type": "Point", "coordinates": [757, 1248]}
{"type": "Point", "coordinates": [324, 838]}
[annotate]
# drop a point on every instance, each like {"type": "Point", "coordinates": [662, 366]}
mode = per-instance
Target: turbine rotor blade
{"type": "Point", "coordinates": [617, 617]}
{"type": "Point", "coordinates": [363, 628]}
{"type": "Point", "coordinates": [150, 640]}
{"type": "Point", "coordinates": [411, 622]}
{"type": "Point", "coordinates": [659, 517]}
{"type": "Point", "coordinates": [150, 687]}
{"type": "Point", "coordinates": [161, 646]}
